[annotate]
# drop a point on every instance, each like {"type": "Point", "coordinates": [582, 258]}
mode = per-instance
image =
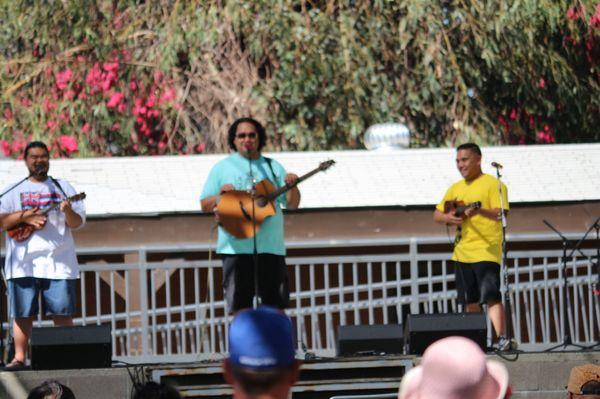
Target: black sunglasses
{"type": "Point", "coordinates": [251, 135]}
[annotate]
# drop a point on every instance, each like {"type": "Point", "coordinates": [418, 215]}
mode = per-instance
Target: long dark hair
{"type": "Point", "coordinates": [262, 136]}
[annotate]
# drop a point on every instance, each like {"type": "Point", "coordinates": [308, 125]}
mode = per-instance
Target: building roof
{"type": "Point", "coordinates": [411, 177]}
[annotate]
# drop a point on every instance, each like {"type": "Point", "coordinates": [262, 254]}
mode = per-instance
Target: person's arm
{"type": "Point", "coordinates": [209, 204]}
{"type": "Point", "coordinates": [72, 218]}
{"type": "Point", "coordinates": [32, 217]}
{"type": "Point", "coordinates": [292, 197]}
{"type": "Point", "coordinates": [446, 218]}
{"type": "Point", "coordinates": [493, 214]}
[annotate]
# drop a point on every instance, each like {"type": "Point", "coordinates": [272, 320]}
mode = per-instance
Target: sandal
{"type": "Point", "coordinates": [14, 365]}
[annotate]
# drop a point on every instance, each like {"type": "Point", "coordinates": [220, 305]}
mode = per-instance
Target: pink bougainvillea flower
{"type": "Point", "coordinates": [115, 99]}
{"type": "Point", "coordinates": [502, 121]}
{"type": "Point", "coordinates": [18, 146]}
{"type": "Point", "coordinates": [151, 101]}
{"type": "Point", "coordinates": [5, 146]}
{"type": "Point", "coordinates": [158, 77]}
{"type": "Point", "coordinates": [68, 144]}
{"type": "Point", "coordinates": [94, 78]}
{"type": "Point", "coordinates": [8, 114]}
{"type": "Point", "coordinates": [595, 19]}
{"type": "Point", "coordinates": [47, 105]}
{"type": "Point", "coordinates": [542, 83]}
{"type": "Point", "coordinates": [69, 95]}
{"type": "Point", "coordinates": [62, 79]}
{"type": "Point", "coordinates": [26, 102]}
{"type": "Point", "coordinates": [111, 66]}
{"type": "Point", "coordinates": [51, 125]}
{"type": "Point", "coordinates": [514, 114]}
{"type": "Point", "coordinates": [86, 128]}
{"type": "Point", "coordinates": [167, 96]}
{"type": "Point", "coordinates": [573, 13]}
{"type": "Point", "coordinates": [115, 127]}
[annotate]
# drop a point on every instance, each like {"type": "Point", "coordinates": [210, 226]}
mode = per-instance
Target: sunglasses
{"type": "Point", "coordinates": [244, 135]}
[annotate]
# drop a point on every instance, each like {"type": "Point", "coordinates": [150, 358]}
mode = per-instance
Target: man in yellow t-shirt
{"type": "Point", "coordinates": [478, 246]}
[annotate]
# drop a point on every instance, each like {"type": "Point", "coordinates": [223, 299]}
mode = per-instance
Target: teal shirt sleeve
{"type": "Point", "coordinates": [280, 174]}
{"type": "Point", "coordinates": [212, 185]}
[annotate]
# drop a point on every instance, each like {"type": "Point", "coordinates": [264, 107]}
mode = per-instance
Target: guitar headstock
{"type": "Point", "coordinates": [326, 164]}
{"type": "Point", "coordinates": [77, 197]}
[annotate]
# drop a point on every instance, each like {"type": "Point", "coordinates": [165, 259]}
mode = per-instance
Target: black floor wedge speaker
{"type": "Point", "coordinates": [424, 329]}
{"type": "Point", "coordinates": [370, 340]}
{"type": "Point", "coordinates": [82, 347]}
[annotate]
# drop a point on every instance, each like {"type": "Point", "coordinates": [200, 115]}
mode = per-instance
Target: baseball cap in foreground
{"type": "Point", "coordinates": [581, 375]}
{"type": "Point", "coordinates": [261, 339]}
{"type": "Point", "coordinates": [455, 368]}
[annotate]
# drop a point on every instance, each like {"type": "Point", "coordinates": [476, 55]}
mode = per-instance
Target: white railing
{"type": "Point", "coordinates": [173, 310]}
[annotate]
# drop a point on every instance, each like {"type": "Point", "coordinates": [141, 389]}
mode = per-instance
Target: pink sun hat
{"type": "Point", "coordinates": [455, 368]}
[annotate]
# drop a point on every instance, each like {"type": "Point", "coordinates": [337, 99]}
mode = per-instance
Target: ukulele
{"type": "Point", "coordinates": [458, 208]}
{"type": "Point", "coordinates": [235, 207]}
{"type": "Point", "coordinates": [23, 231]}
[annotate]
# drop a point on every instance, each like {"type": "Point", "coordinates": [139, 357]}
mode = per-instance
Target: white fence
{"type": "Point", "coordinates": [164, 306]}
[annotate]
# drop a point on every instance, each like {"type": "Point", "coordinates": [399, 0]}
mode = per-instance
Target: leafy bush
{"type": "Point", "coordinates": [130, 77]}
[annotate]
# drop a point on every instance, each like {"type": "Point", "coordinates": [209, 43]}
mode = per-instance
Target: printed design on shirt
{"type": "Point", "coordinates": [30, 200]}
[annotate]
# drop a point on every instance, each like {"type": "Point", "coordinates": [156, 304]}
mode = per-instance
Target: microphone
{"type": "Point", "coordinates": [496, 165]}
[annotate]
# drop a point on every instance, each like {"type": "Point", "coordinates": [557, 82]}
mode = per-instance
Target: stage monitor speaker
{"type": "Point", "coordinates": [424, 329]}
{"type": "Point", "coordinates": [82, 347]}
{"type": "Point", "coordinates": [369, 340]}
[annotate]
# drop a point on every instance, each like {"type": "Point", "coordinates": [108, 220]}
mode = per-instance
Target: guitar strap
{"type": "Point", "coordinates": [57, 184]}
{"type": "Point", "coordinates": [272, 171]}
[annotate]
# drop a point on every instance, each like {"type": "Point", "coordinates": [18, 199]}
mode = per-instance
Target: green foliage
{"type": "Point", "coordinates": [318, 73]}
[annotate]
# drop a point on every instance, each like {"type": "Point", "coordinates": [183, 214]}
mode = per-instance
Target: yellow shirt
{"type": "Point", "coordinates": [481, 237]}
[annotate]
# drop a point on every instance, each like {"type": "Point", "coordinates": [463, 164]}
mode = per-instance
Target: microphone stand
{"type": "Point", "coordinates": [3, 279]}
{"type": "Point", "coordinates": [508, 328]}
{"type": "Point", "coordinates": [256, 300]}
{"type": "Point", "coordinates": [565, 325]}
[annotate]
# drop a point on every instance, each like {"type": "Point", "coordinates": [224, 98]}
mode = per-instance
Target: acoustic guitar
{"type": "Point", "coordinates": [23, 231]}
{"type": "Point", "coordinates": [235, 207]}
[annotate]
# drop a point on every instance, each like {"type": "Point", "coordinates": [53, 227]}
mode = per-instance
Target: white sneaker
{"type": "Point", "coordinates": [504, 344]}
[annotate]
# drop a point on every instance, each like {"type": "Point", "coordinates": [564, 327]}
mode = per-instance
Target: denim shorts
{"type": "Point", "coordinates": [58, 296]}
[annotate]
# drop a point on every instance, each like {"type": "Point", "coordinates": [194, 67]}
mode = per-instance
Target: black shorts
{"type": "Point", "coordinates": [479, 282]}
{"type": "Point", "coordinates": [238, 281]}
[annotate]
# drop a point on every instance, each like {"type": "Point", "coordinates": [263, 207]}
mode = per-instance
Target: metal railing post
{"type": "Point", "coordinates": [143, 267]}
{"type": "Point", "coordinates": [414, 276]}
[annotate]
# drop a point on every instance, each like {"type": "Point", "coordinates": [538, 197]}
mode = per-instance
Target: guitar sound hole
{"type": "Point", "coordinates": [261, 201]}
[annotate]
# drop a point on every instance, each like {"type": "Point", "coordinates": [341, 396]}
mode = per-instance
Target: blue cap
{"type": "Point", "coordinates": [261, 339]}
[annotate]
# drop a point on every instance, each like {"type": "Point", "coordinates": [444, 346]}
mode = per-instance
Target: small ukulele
{"type": "Point", "coordinates": [235, 207]}
{"type": "Point", "coordinates": [458, 208]}
{"type": "Point", "coordinates": [23, 231]}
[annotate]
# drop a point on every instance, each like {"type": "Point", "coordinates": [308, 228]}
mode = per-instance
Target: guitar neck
{"type": "Point", "coordinates": [288, 187]}
{"type": "Point", "coordinates": [51, 208]}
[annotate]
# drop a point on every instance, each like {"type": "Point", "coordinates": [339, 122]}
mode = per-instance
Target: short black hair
{"type": "Point", "coordinates": [34, 144]}
{"type": "Point", "coordinates": [51, 387]}
{"type": "Point", "coordinates": [262, 136]}
{"type": "Point", "coordinates": [254, 382]}
{"type": "Point", "coordinates": [471, 147]}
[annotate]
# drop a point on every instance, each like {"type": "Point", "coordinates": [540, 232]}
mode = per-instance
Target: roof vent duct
{"type": "Point", "coordinates": [387, 136]}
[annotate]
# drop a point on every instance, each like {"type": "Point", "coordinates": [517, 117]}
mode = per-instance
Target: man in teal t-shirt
{"type": "Point", "coordinates": [240, 171]}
